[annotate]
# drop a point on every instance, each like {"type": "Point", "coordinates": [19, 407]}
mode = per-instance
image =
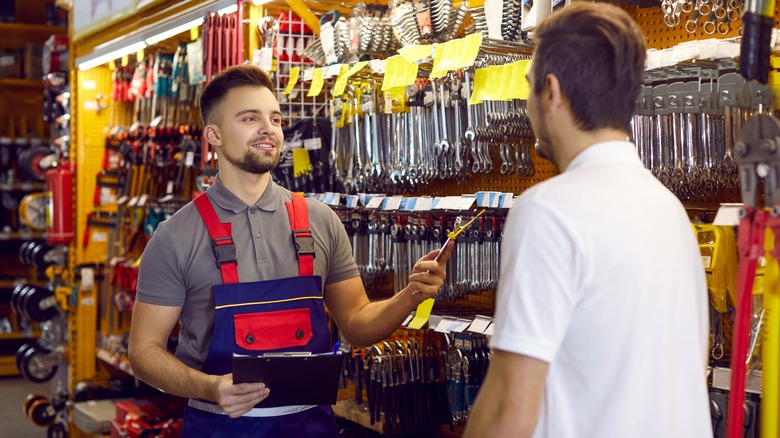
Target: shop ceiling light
{"type": "Point", "coordinates": [149, 35]}
{"type": "Point", "coordinates": [164, 35]}
{"type": "Point", "coordinates": [115, 54]}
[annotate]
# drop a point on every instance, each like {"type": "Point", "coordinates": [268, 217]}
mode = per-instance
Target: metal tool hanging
{"type": "Point", "coordinates": [686, 123]}
{"type": "Point", "coordinates": [713, 16]}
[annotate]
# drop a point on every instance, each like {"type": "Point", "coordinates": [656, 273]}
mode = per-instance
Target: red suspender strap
{"type": "Point", "coordinates": [221, 240]}
{"type": "Point", "coordinates": [302, 239]}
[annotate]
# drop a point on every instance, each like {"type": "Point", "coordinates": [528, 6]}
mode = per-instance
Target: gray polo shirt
{"type": "Point", "coordinates": [178, 266]}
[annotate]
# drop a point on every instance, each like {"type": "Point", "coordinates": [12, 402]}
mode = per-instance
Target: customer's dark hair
{"type": "Point", "coordinates": [226, 80]}
{"type": "Point", "coordinates": [597, 52]}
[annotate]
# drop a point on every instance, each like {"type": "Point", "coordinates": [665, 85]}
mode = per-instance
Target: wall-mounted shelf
{"type": "Point", "coordinates": [21, 235]}
{"type": "Point", "coordinates": [22, 187]}
{"type": "Point", "coordinates": [21, 83]}
{"type": "Point", "coordinates": [17, 34]}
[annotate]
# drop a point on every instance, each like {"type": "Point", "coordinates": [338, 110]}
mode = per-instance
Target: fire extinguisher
{"type": "Point", "coordinates": [59, 185]}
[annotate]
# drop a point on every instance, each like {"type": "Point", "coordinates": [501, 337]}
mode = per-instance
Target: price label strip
{"type": "Point", "coordinates": [423, 312]}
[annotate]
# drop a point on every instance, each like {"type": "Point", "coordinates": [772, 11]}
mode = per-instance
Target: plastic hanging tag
{"type": "Point", "coordinates": [494, 14]}
{"type": "Point", "coordinates": [422, 9]}
{"type": "Point", "coordinates": [263, 58]}
{"type": "Point", "coordinates": [416, 52]}
{"type": "Point", "coordinates": [469, 50]}
{"type": "Point", "coordinates": [328, 43]}
{"type": "Point", "coordinates": [308, 74]}
{"type": "Point", "coordinates": [293, 79]}
{"type": "Point", "coordinates": [316, 83]}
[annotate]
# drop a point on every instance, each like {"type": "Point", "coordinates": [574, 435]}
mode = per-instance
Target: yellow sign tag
{"type": "Point", "coordinates": [295, 73]}
{"type": "Point", "coordinates": [301, 163]}
{"type": "Point", "coordinates": [398, 73]}
{"type": "Point", "coordinates": [195, 33]}
{"type": "Point", "coordinates": [355, 68]}
{"type": "Point", "coordinates": [112, 65]}
{"type": "Point", "coordinates": [506, 82]}
{"type": "Point", "coordinates": [416, 52]}
{"type": "Point", "coordinates": [139, 55]}
{"type": "Point", "coordinates": [422, 314]}
{"type": "Point", "coordinates": [316, 83]}
{"type": "Point", "coordinates": [125, 60]}
{"type": "Point", "coordinates": [469, 50]}
{"type": "Point", "coordinates": [480, 83]}
{"type": "Point", "coordinates": [444, 59]}
{"type": "Point", "coordinates": [341, 81]}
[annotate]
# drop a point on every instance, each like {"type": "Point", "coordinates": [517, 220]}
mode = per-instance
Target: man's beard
{"type": "Point", "coordinates": [251, 162]}
{"type": "Point", "coordinates": [543, 146]}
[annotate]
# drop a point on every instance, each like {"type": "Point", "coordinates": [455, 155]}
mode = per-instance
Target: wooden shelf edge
{"type": "Point", "coordinates": [26, 27]}
{"type": "Point", "coordinates": [5, 336]}
{"type": "Point", "coordinates": [8, 366]}
{"type": "Point", "coordinates": [13, 236]}
{"type": "Point", "coordinates": [357, 414]}
{"type": "Point", "coordinates": [19, 82]}
{"type": "Point", "coordinates": [25, 186]}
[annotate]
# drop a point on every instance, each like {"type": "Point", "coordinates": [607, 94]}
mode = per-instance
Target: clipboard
{"type": "Point", "coordinates": [292, 379]}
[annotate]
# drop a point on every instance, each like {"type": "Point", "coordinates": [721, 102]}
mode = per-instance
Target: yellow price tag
{"type": "Point", "coordinates": [506, 82]}
{"type": "Point", "coordinates": [301, 162]}
{"type": "Point", "coordinates": [492, 87]}
{"type": "Point", "coordinates": [480, 83]}
{"type": "Point", "coordinates": [125, 61]}
{"type": "Point", "coordinates": [356, 68]}
{"type": "Point", "coordinates": [422, 314]}
{"type": "Point", "coordinates": [398, 73]}
{"type": "Point", "coordinates": [469, 50]}
{"type": "Point", "coordinates": [521, 87]}
{"type": "Point", "coordinates": [112, 65]}
{"type": "Point", "coordinates": [195, 33]}
{"type": "Point", "coordinates": [416, 52]}
{"type": "Point", "coordinates": [139, 55]}
{"type": "Point", "coordinates": [444, 58]}
{"type": "Point", "coordinates": [341, 81]}
{"type": "Point", "coordinates": [316, 83]}
{"type": "Point", "coordinates": [295, 73]}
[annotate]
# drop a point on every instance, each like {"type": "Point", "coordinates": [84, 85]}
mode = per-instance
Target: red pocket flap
{"type": "Point", "coordinates": [266, 331]}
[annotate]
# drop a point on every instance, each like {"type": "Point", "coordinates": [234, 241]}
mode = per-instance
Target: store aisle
{"type": "Point", "coordinates": [13, 423]}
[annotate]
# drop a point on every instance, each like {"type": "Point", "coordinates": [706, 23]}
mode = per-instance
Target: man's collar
{"type": "Point", "coordinates": [226, 200]}
{"type": "Point", "coordinates": [605, 152]}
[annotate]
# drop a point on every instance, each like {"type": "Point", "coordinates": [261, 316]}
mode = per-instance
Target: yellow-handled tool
{"type": "Point", "coordinates": [424, 309]}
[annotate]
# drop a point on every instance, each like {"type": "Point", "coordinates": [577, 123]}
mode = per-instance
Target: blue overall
{"type": "Point", "coordinates": [260, 317]}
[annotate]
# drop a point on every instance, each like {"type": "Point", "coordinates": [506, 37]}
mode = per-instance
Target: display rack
{"type": "Point", "coordinates": [289, 42]}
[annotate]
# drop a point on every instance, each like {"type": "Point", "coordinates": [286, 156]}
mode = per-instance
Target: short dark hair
{"type": "Point", "coordinates": [597, 52]}
{"type": "Point", "coordinates": [226, 80]}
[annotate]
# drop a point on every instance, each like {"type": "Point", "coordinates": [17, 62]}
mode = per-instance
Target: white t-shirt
{"type": "Point", "coordinates": [602, 278]}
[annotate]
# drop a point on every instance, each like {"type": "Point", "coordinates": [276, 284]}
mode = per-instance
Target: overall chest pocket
{"type": "Point", "coordinates": [275, 330]}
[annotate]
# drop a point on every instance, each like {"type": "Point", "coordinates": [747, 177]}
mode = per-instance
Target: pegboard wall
{"type": "Point", "coordinates": [91, 120]}
{"type": "Point", "coordinates": [92, 123]}
{"type": "Point", "coordinates": [661, 36]}
{"type": "Point", "coordinates": [495, 181]}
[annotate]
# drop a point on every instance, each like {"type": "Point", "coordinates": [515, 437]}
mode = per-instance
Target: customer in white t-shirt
{"type": "Point", "coordinates": [601, 313]}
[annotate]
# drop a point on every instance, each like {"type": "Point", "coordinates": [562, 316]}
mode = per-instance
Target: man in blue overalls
{"type": "Point", "coordinates": [248, 268]}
